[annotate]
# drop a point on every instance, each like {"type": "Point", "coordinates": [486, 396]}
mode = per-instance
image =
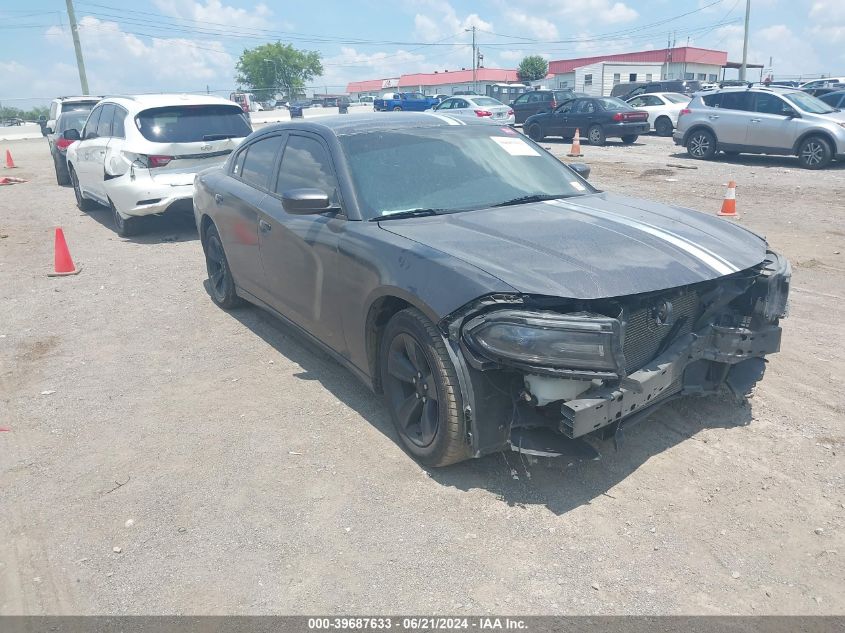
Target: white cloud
{"type": "Point", "coordinates": [216, 13]}
{"type": "Point", "coordinates": [540, 28]}
{"type": "Point", "coordinates": [580, 12]}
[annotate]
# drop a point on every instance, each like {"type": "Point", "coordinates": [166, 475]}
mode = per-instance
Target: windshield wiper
{"type": "Point", "coordinates": [410, 213]}
{"type": "Point", "coordinates": [217, 137]}
{"type": "Point", "coordinates": [532, 198]}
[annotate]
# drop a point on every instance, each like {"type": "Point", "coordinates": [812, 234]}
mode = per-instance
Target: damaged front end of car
{"type": "Point", "coordinates": [536, 364]}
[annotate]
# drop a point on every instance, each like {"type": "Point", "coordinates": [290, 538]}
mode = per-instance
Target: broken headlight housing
{"type": "Point", "coordinates": [579, 341]}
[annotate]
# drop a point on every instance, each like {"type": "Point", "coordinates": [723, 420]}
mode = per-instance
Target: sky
{"type": "Point", "coordinates": [190, 45]}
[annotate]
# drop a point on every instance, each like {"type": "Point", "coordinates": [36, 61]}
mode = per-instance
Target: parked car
{"type": "Point", "coordinates": [138, 155]}
{"type": "Point", "coordinates": [68, 120]}
{"type": "Point", "coordinates": [12, 121]}
{"type": "Point", "coordinates": [818, 92]}
{"type": "Point", "coordinates": [280, 104]}
{"type": "Point", "coordinates": [247, 101]}
{"type": "Point", "coordinates": [367, 99]}
{"type": "Point", "coordinates": [784, 84]}
{"type": "Point", "coordinates": [822, 83]}
{"type": "Point", "coordinates": [537, 102]}
{"type": "Point", "coordinates": [663, 109]}
{"type": "Point", "coordinates": [476, 107]}
{"type": "Point", "coordinates": [598, 117]}
{"type": "Point", "coordinates": [623, 89]}
{"type": "Point", "coordinates": [760, 120]}
{"type": "Point", "coordinates": [834, 99]}
{"type": "Point", "coordinates": [493, 296]}
{"type": "Point", "coordinates": [683, 86]}
{"type": "Point", "coordinates": [60, 104]}
{"type": "Point", "coordinates": [441, 97]}
{"type": "Point", "coordinates": [404, 101]}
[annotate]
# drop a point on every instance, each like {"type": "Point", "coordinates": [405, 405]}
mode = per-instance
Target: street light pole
{"type": "Point", "coordinates": [474, 58]}
{"type": "Point", "coordinates": [744, 65]}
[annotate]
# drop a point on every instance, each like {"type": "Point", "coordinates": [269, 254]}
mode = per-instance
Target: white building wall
{"type": "Point", "coordinates": [628, 72]}
{"type": "Point", "coordinates": [677, 70]}
{"type": "Point", "coordinates": [588, 79]}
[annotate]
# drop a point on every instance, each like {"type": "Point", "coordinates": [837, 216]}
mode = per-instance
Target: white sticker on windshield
{"type": "Point", "coordinates": [577, 185]}
{"type": "Point", "coordinates": [515, 146]}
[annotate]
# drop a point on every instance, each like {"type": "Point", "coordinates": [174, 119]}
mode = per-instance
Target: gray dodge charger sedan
{"type": "Point", "coordinates": [488, 291]}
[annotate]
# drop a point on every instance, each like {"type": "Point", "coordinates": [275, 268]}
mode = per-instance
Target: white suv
{"type": "Point", "coordinates": [138, 155]}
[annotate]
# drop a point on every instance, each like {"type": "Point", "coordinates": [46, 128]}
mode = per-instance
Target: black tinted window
{"type": "Point", "coordinates": [192, 123]}
{"type": "Point", "coordinates": [258, 161]}
{"type": "Point", "coordinates": [769, 104]}
{"type": "Point", "coordinates": [712, 101]}
{"type": "Point", "coordinates": [91, 125]}
{"type": "Point", "coordinates": [736, 101]}
{"type": "Point", "coordinates": [306, 165]}
{"type": "Point", "coordinates": [104, 124]}
{"type": "Point", "coordinates": [832, 98]}
{"type": "Point", "coordinates": [72, 120]}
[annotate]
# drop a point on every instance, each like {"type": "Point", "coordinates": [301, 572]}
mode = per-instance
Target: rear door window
{"type": "Point", "coordinates": [104, 124]}
{"type": "Point", "coordinates": [90, 130]}
{"type": "Point", "coordinates": [736, 101]}
{"type": "Point", "coordinates": [712, 101]}
{"type": "Point", "coordinates": [769, 103]}
{"type": "Point", "coordinates": [192, 123]}
{"type": "Point", "coordinates": [258, 161]}
{"type": "Point", "coordinates": [118, 124]}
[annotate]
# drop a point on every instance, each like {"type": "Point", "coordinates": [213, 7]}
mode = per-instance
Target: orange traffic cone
{"type": "Point", "coordinates": [729, 204]}
{"type": "Point", "coordinates": [10, 164]}
{"type": "Point", "coordinates": [575, 151]}
{"type": "Point", "coordinates": [63, 263]}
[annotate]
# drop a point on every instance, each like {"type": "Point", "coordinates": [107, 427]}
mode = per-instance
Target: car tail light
{"type": "Point", "coordinates": [618, 116]}
{"type": "Point", "coordinates": [158, 161]}
{"type": "Point", "coordinates": [63, 143]}
{"type": "Point", "coordinates": [510, 112]}
{"type": "Point", "coordinates": [684, 111]}
{"type": "Point", "coordinates": [482, 113]}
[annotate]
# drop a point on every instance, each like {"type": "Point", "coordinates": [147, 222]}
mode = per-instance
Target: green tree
{"type": "Point", "coordinates": [532, 68]}
{"type": "Point", "coordinates": [287, 70]}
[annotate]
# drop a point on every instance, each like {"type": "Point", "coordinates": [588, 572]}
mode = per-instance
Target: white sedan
{"type": "Point", "coordinates": [663, 109]}
{"type": "Point", "coordinates": [476, 107]}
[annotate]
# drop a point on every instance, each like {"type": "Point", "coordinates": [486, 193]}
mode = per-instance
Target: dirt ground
{"type": "Point", "coordinates": [239, 470]}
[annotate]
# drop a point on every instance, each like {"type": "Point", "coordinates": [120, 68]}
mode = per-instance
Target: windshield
{"type": "Point", "coordinates": [487, 101]}
{"type": "Point", "coordinates": [807, 103]}
{"type": "Point", "coordinates": [192, 123]}
{"type": "Point", "coordinates": [72, 120]}
{"type": "Point", "coordinates": [676, 98]}
{"type": "Point", "coordinates": [613, 103]}
{"type": "Point", "coordinates": [451, 169]}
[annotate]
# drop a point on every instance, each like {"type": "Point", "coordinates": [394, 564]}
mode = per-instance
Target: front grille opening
{"type": "Point", "coordinates": [644, 336]}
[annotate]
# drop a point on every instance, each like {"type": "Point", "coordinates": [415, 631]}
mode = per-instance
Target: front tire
{"type": "Point", "coordinates": [628, 139]}
{"type": "Point", "coordinates": [535, 132]}
{"type": "Point", "coordinates": [62, 175]}
{"type": "Point", "coordinates": [701, 145]}
{"type": "Point", "coordinates": [221, 284]}
{"type": "Point", "coordinates": [663, 126]}
{"type": "Point", "coordinates": [397, 109]}
{"type": "Point", "coordinates": [421, 390]}
{"type": "Point", "coordinates": [814, 153]}
{"type": "Point", "coordinates": [82, 203]}
{"type": "Point", "coordinates": [596, 136]}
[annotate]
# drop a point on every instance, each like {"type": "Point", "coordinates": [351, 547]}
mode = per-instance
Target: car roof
{"type": "Point", "coordinates": [774, 89]}
{"type": "Point", "coordinates": [86, 98]}
{"type": "Point", "coordinates": [142, 102]}
{"type": "Point", "coordinates": [345, 124]}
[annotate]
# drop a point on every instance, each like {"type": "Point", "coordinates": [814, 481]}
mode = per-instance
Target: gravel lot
{"type": "Point", "coordinates": [239, 470]}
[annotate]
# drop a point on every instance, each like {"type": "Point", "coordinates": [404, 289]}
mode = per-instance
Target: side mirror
{"type": "Point", "coordinates": [582, 169]}
{"type": "Point", "coordinates": [43, 118]}
{"type": "Point", "coordinates": [305, 201]}
{"type": "Point", "coordinates": [790, 113]}
{"type": "Point", "coordinates": [71, 135]}
{"type": "Point", "coordinates": [48, 129]}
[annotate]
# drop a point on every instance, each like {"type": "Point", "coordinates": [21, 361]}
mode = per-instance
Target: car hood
{"type": "Point", "coordinates": [590, 247]}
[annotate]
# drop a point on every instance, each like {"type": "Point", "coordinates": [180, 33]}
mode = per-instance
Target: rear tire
{"type": "Point", "coordinates": [421, 390]}
{"type": "Point", "coordinates": [397, 109]}
{"type": "Point", "coordinates": [221, 284]}
{"type": "Point", "coordinates": [628, 139]}
{"type": "Point", "coordinates": [663, 126]}
{"type": "Point", "coordinates": [535, 132]}
{"type": "Point", "coordinates": [596, 136]}
{"type": "Point", "coordinates": [814, 153]}
{"type": "Point", "coordinates": [62, 175]}
{"type": "Point", "coordinates": [82, 203]}
{"type": "Point", "coordinates": [701, 145]}
{"type": "Point", "coordinates": [124, 227]}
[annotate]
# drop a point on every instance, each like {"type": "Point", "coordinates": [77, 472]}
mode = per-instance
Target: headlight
{"type": "Point", "coordinates": [775, 305]}
{"type": "Point", "coordinates": [580, 341]}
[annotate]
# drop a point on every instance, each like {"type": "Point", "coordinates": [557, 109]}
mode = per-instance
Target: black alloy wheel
{"type": "Point", "coordinates": [412, 390]}
{"type": "Point", "coordinates": [221, 284]}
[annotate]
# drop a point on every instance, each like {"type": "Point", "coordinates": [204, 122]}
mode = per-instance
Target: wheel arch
{"type": "Point", "coordinates": [827, 136]}
{"type": "Point", "coordinates": [698, 127]}
{"type": "Point", "coordinates": [205, 222]}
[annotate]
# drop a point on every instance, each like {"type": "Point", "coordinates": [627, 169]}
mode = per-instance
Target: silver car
{"type": "Point", "coordinates": [760, 120]}
{"type": "Point", "coordinates": [477, 107]}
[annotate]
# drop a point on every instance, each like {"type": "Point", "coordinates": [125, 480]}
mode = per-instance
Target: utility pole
{"type": "Point", "coordinates": [474, 58]}
{"type": "Point", "coordinates": [74, 31]}
{"type": "Point", "coordinates": [742, 68]}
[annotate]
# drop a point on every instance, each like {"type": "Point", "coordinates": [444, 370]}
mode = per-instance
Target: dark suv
{"type": "Point", "coordinates": [686, 87]}
{"type": "Point", "coordinates": [537, 102]}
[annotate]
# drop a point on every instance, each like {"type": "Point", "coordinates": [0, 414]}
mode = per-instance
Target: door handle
{"type": "Point", "coordinates": [218, 198]}
{"type": "Point", "coordinates": [755, 120]}
{"type": "Point", "coordinates": [264, 227]}
{"type": "Point", "coordinates": [712, 117]}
